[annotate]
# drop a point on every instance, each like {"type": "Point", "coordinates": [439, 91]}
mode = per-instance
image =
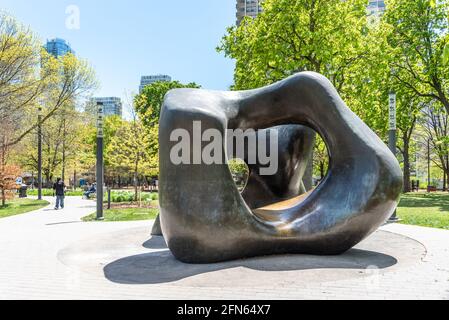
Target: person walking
{"type": "Point", "coordinates": [59, 188]}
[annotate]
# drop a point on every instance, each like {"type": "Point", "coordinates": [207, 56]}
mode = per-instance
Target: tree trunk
{"type": "Point", "coordinates": [63, 165]}
{"type": "Point", "coordinates": [63, 152]}
{"type": "Point", "coordinates": [444, 181]}
{"type": "Point", "coordinates": [443, 99]}
{"type": "Point", "coordinates": [322, 170]}
{"type": "Point", "coordinates": [446, 175]}
{"type": "Point", "coordinates": [447, 181]}
{"type": "Point", "coordinates": [135, 185]}
{"type": "Point", "coordinates": [2, 168]}
{"type": "Point", "coordinates": [308, 175]}
{"type": "Point", "coordinates": [48, 178]}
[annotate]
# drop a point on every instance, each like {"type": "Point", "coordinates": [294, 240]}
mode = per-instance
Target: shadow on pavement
{"type": "Point", "coordinates": [155, 243]}
{"type": "Point", "coordinates": [64, 222]}
{"type": "Point", "coordinates": [162, 267]}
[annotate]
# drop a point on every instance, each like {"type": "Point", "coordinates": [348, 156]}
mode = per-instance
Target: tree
{"type": "Point", "coordinates": [325, 36]}
{"type": "Point", "coordinates": [409, 107]}
{"type": "Point", "coordinates": [320, 158]}
{"type": "Point", "coordinates": [148, 104]}
{"type": "Point", "coordinates": [133, 149]}
{"type": "Point", "coordinates": [19, 61]}
{"type": "Point", "coordinates": [30, 79]}
{"type": "Point", "coordinates": [147, 108]}
{"type": "Point", "coordinates": [85, 158]}
{"type": "Point", "coordinates": [62, 141]}
{"type": "Point", "coordinates": [331, 37]}
{"type": "Point", "coordinates": [8, 173]}
{"type": "Point", "coordinates": [8, 176]}
{"type": "Point", "coordinates": [419, 36]}
{"type": "Point", "coordinates": [436, 126]}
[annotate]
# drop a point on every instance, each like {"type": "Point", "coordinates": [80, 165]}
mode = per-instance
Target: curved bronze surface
{"type": "Point", "coordinates": [205, 219]}
{"type": "Point", "coordinates": [295, 148]}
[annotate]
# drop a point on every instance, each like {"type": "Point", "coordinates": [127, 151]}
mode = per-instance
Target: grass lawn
{"type": "Point", "coordinates": [420, 209]}
{"type": "Point", "coordinates": [51, 192]}
{"type": "Point", "coordinates": [19, 206]}
{"type": "Point", "coordinates": [427, 210]}
{"type": "Point", "coordinates": [126, 214]}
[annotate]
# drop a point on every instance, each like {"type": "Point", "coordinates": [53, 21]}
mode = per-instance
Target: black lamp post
{"type": "Point", "coordinates": [39, 154]}
{"type": "Point", "coordinates": [100, 164]}
{"type": "Point", "coordinates": [392, 135]}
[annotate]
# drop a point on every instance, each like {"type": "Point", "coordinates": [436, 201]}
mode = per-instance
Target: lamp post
{"type": "Point", "coordinates": [392, 135]}
{"type": "Point", "coordinates": [39, 154]}
{"type": "Point", "coordinates": [429, 177]}
{"type": "Point", "coordinates": [100, 164]}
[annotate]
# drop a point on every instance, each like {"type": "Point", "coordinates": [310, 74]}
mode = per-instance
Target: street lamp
{"type": "Point", "coordinates": [429, 177]}
{"type": "Point", "coordinates": [392, 135]}
{"type": "Point", "coordinates": [100, 165]}
{"type": "Point", "coordinates": [39, 153]}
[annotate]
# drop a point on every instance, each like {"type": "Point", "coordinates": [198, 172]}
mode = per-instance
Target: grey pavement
{"type": "Point", "coordinates": [51, 254]}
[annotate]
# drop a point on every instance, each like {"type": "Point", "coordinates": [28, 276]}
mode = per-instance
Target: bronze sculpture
{"type": "Point", "coordinates": [205, 219]}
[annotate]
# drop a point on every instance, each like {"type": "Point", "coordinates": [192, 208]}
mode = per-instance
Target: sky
{"type": "Point", "coordinates": [124, 40]}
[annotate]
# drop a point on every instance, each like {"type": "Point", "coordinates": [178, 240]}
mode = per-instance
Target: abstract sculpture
{"type": "Point", "coordinates": [295, 148]}
{"type": "Point", "coordinates": [205, 219]}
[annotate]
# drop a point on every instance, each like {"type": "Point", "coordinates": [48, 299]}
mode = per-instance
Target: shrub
{"type": "Point", "coordinates": [128, 196]}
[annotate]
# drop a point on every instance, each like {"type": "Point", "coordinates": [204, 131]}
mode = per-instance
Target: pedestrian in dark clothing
{"type": "Point", "coordinates": [59, 188]}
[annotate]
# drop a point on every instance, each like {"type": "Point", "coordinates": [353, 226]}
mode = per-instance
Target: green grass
{"type": "Point", "coordinates": [421, 209]}
{"type": "Point", "coordinates": [128, 196]}
{"type": "Point", "coordinates": [116, 196]}
{"type": "Point", "coordinates": [20, 206]}
{"type": "Point", "coordinates": [427, 210]}
{"type": "Point", "coordinates": [50, 193]}
{"type": "Point", "coordinates": [127, 214]}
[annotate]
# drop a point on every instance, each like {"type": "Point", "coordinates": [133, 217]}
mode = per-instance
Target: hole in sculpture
{"type": "Point", "coordinates": [320, 161]}
{"type": "Point", "coordinates": [240, 173]}
{"type": "Point", "coordinates": [293, 183]}
{"type": "Point", "coordinates": [320, 170]}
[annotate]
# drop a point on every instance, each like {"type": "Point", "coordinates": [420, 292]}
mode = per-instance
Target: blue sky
{"type": "Point", "coordinates": [126, 39]}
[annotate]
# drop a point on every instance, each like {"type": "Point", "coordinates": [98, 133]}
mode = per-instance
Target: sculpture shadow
{"type": "Point", "coordinates": [162, 267]}
{"type": "Point", "coordinates": [63, 222]}
{"type": "Point", "coordinates": [155, 243]}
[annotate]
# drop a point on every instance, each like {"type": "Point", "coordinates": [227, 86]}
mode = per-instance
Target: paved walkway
{"type": "Point", "coordinates": [50, 254]}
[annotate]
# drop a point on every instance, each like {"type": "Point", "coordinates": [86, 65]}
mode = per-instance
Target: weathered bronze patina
{"type": "Point", "coordinates": [205, 219]}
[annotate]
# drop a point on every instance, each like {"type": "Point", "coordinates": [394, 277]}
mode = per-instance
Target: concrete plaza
{"type": "Point", "coordinates": [50, 254]}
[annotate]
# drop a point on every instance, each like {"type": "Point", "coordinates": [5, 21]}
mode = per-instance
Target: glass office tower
{"type": "Point", "coordinates": [58, 47]}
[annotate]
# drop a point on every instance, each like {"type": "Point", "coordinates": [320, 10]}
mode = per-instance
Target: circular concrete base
{"type": "Point", "coordinates": [128, 257]}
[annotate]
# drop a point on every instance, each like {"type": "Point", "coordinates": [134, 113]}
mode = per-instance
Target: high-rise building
{"type": "Point", "coordinates": [58, 47]}
{"type": "Point", "coordinates": [376, 8]}
{"type": "Point", "coordinates": [250, 8]}
{"type": "Point", "coordinates": [112, 106]}
{"type": "Point", "coordinates": [146, 80]}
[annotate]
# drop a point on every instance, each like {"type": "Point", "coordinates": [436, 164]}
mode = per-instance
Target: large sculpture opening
{"type": "Point", "coordinates": [240, 173]}
{"type": "Point", "coordinates": [205, 218]}
{"type": "Point", "coordinates": [297, 148]}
